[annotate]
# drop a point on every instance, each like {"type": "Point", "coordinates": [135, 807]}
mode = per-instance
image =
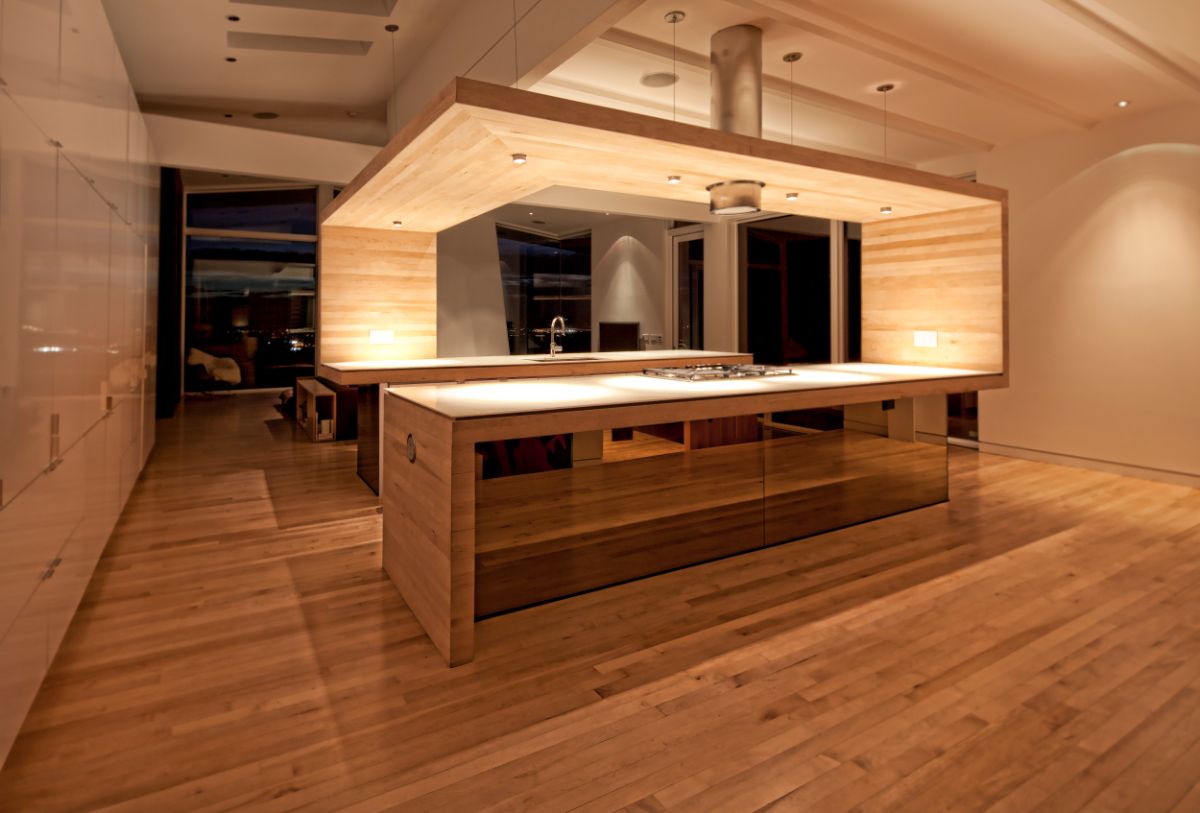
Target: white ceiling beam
{"type": "Point", "coordinates": [1144, 54]}
{"type": "Point", "coordinates": [807, 95]}
{"type": "Point", "coordinates": [845, 30]}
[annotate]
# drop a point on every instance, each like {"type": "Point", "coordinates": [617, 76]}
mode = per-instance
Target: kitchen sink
{"type": "Point", "coordinates": [569, 358]}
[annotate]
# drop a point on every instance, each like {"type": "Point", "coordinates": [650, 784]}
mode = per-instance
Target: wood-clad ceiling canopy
{"type": "Point", "coordinates": [454, 162]}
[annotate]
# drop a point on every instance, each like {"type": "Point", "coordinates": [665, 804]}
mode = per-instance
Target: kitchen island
{"type": "Point", "coordinates": [369, 375]}
{"type": "Point", "coordinates": [461, 542]}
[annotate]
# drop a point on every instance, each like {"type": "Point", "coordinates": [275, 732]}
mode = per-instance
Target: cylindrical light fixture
{"type": "Point", "coordinates": [735, 197]}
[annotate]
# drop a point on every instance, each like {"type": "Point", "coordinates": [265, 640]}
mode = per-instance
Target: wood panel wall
{"type": "Point", "coordinates": [945, 272]}
{"type": "Point", "coordinates": [376, 279]}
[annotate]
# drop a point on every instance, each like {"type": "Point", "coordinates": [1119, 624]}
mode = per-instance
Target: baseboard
{"type": "Point", "coordinates": [1178, 478]}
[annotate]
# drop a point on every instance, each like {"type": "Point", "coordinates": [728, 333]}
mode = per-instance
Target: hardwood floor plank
{"type": "Point", "coordinates": [1033, 644]}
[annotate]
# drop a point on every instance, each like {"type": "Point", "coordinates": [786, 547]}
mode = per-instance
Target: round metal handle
{"type": "Point", "coordinates": [411, 448]}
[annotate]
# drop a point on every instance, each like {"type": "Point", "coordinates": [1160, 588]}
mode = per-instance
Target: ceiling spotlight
{"type": "Point", "coordinates": [519, 158]}
{"type": "Point", "coordinates": [233, 18]}
{"type": "Point", "coordinates": [231, 59]}
{"type": "Point", "coordinates": [792, 196]}
{"type": "Point", "coordinates": [1123, 103]}
{"type": "Point", "coordinates": [265, 115]}
{"type": "Point", "coordinates": [673, 179]}
{"type": "Point", "coordinates": [885, 210]}
{"type": "Point", "coordinates": [391, 28]}
{"type": "Point", "coordinates": [397, 224]}
{"type": "Point", "coordinates": [228, 115]}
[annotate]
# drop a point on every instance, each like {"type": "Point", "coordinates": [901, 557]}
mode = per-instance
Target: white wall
{"type": "Point", "coordinates": [720, 286]}
{"type": "Point", "coordinates": [630, 272]}
{"type": "Point", "coordinates": [78, 271]}
{"type": "Point", "coordinates": [1104, 277]}
{"type": "Point", "coordinates": [478, 43]}
{"type": "Point", "coordinates": [470, 300]}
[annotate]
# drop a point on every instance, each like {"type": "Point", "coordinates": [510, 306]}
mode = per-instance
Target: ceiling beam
{"type": "Point", "coordinates": [803, 93]}
{"type": "Point", "coordinates": [845, 30]}
{"type": "Point", "coordinates": [1144, 54]}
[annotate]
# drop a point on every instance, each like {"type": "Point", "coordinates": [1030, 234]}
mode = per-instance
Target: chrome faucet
{"type": "Point", "coordinates": [562, 327]}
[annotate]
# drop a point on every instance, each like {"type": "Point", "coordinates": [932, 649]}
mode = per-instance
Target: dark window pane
{"type": "Point", "coordinates": [250, 312]}
{"type": "Point", "coordinates": [282, 211]}
{"type": "Point", "coordinates": [543, 278]}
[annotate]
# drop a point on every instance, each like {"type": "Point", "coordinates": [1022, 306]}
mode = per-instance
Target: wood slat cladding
{"type": "Point", "coordinates": [1031, 645]}
{"type": "Point", "coordinates": [428, 536]}
{"type": "Point", "coordinates": [453, 162]}
{"type": "Point", "coordinates": [374, 279]}
{"type": "Point", "coordinates": [945, 272]}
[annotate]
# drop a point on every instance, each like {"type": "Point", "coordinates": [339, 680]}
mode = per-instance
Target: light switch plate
{"type": "Point", "coordinates": [925, 338]}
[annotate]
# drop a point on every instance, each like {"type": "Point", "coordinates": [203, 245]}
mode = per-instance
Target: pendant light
{"type": "Point", "coordinates": [674, 18]}
{"type": "Point", "coordinates": [885, 89]}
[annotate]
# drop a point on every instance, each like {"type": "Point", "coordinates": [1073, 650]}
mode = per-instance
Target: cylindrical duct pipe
{"type": "Point", "coordinates": [736, 75]}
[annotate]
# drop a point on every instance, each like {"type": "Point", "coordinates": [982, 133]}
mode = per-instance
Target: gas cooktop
{"type": "Point", "coordinates": [708, 372]}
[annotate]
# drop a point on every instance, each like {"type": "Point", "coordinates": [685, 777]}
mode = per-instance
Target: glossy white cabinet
{"type": "Point", "coordinates": [78, 284]}
{"type": "Point", "coordinates": [28, 281]}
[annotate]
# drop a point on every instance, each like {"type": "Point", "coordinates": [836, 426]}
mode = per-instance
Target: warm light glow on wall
{"type": "Point", "coordinates": [382, 337]}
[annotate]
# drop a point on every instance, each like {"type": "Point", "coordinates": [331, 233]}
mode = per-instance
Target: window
{"type": "Point", "coordinates": [544, 277]}
{"type": "Point", "coordinates": [250, 307]}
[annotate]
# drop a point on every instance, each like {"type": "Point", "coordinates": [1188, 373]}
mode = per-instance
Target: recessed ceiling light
{"type": "Point", "coordinates": [397, 224]}
{"type": "Point", "coordinates": [233, 18]}
{"type": "Point", "coordinates": [531, 214]}
{"type": "Point", "coordinates": [519, 158]}
{"type": "Point", "coordinates": [673, 179]}
{"type": "Point", "coordinates": [885, 210]}
{"type": "Point", "coordinates": [228, 115]}
{"type": "Point", "coordinates": [539, 222]}
{"type": "Point", "coordinates": [231, 59]}
{"type": "Point", "coordinates": [265, 116]}
{"type": "Point", "coordinates": [1123, 103]}
{"type": "Point", "coordinates": [792, 196]}
{"type": "Point", "coordinates": [660, 79]}
{"type": "Point", "coordinates": [352, 114]}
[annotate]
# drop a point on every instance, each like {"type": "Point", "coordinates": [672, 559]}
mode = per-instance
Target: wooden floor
{"type": "Point", "coordinates": [1032, 645]}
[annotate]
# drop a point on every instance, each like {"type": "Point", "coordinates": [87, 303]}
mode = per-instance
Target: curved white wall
{"type": "Point", "coordinates": [1104, 238]}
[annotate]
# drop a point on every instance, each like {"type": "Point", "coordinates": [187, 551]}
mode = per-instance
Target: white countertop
{"type": "Point", "coordinates": [485, 399]}
{"type": "Point", "coordinates": [532, 360]}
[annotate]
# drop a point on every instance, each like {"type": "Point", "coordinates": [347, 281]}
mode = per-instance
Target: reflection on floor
{"type": "Point", "coordinates": [1036, 641]}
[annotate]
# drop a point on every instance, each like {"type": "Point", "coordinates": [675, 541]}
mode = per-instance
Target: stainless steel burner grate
{"type": "Point", "coordinates": [709, 372]}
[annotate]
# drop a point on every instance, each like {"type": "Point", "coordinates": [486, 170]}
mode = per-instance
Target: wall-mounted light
{"type": "Point", "coordinates": [397, 224]}
{"type": "Point", "coordinates": [519, 158]}
{"type": "Point", "coordinates": [792, 196]}
{"type": "Point", "coordinates": [381, 337]}
{"type": "Point", "coordinates": [885, 210]}
{"type": "Point", "coordinates": [673, 179]}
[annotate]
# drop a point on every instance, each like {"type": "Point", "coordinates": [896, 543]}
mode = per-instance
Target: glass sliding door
{"type": "Point", "coordinates": [250, 260]}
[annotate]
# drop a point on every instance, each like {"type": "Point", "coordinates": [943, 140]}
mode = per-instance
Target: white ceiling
{"type": "Point", "coordinates": [969, 74]}
{"type": "Point", "coordinates": [175, 53]}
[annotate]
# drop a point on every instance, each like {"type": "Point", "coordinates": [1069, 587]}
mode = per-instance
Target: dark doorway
{"type": "Point", "coordinates": [786, 268]}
